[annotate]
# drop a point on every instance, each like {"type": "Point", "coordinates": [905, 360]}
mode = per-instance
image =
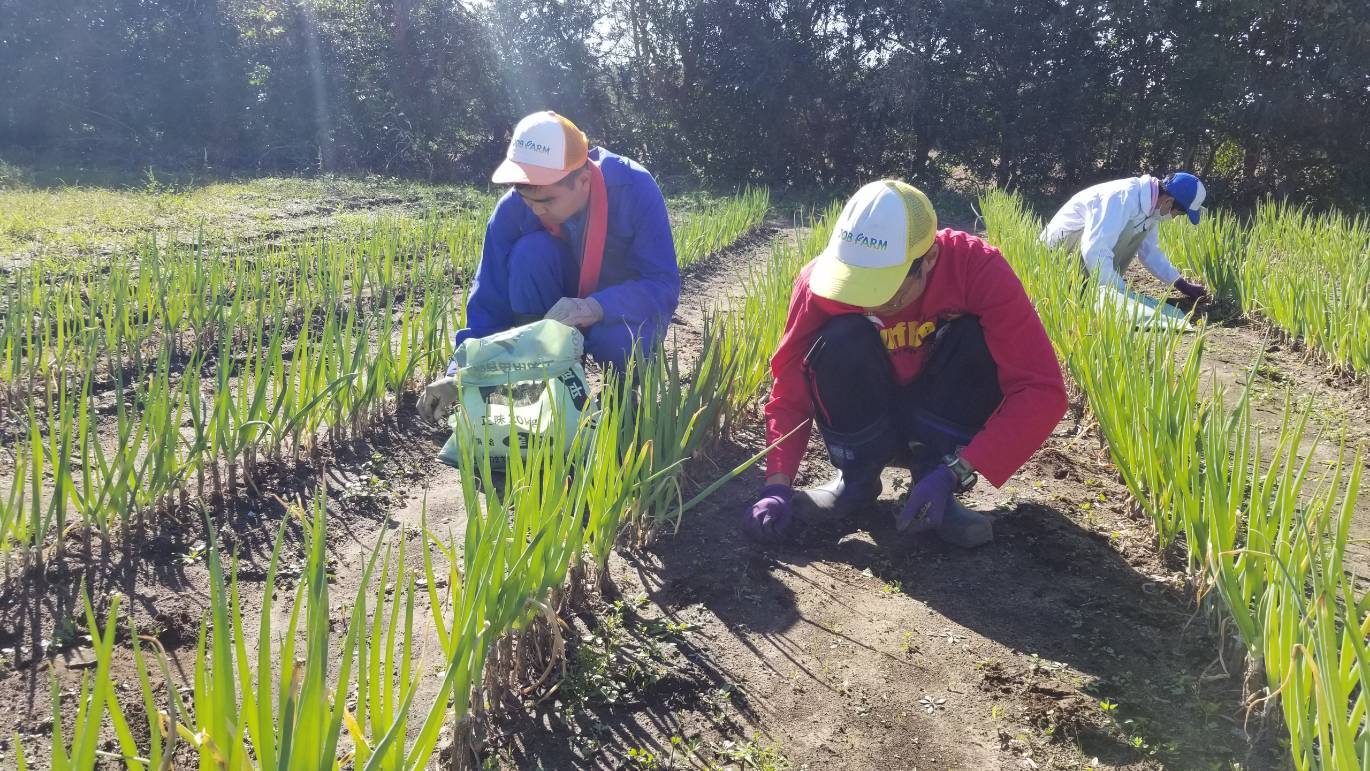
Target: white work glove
{"type": "Point", "coordinates": [575, 312]}
{"type": "Point", "coordinates": [438, 398]}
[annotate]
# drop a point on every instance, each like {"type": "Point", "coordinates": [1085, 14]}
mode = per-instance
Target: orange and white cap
{"type": "Point", "coordinates": [545, 147]}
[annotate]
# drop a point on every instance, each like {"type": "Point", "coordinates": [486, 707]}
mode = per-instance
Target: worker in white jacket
{"type": "Point", "coordinates": [1113, 222]}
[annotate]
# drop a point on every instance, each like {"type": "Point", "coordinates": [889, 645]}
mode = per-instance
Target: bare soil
{"type": "Point", "coordinates": [879, 650]}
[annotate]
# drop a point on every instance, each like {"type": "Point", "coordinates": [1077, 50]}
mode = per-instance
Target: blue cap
{"type": "Point", "coordinates": [1188, 192]}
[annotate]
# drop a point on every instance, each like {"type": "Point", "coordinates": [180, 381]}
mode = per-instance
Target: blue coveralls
{"type": "Point", "coordinates": [524, 269]}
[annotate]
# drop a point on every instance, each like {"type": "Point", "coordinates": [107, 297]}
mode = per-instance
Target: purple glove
{"type": "Point", "coordinates": [769, 517]}
{"type": "Point", "coordinates": [931, 493]}
{"type": "Point", "coordinates": [1192, 291]}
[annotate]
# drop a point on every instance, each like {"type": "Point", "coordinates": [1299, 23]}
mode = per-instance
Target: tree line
{"type": "Point", "coordinates": [1257, 96]}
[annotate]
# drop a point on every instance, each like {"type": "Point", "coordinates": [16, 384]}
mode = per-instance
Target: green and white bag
{"type": "Point", "coordinates": [526, 380]}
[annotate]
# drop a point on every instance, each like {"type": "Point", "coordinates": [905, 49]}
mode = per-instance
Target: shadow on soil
{"type": "Point", "coordinates": [664, 686]}
{"type": "Point", "coordinates": [1046, 588]}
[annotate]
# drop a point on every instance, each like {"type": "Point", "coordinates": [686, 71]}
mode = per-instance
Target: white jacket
{"type": "Point", "coordinates": [1111, 223]}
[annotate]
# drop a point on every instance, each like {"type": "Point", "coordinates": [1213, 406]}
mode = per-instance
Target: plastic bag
{"type": "Point", "coordinates": [523, 381]}
{"type": "Point", "coordinates": [1146, 312]}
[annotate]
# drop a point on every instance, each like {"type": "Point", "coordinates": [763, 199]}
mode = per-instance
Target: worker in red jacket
{"type": "Point", "coordinates": [905, 343]}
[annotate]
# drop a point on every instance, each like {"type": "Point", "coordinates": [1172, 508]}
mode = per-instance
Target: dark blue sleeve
{"type": "Point", "coordinates": [487, 303]}
{"type": "Point", "coordinates": [652, 296]}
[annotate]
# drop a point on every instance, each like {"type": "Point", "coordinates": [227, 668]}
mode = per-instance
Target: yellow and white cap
{"type": "Point", "coordinates": [881, 231]}
{"type": "Point", "coordinates": [545, 147]}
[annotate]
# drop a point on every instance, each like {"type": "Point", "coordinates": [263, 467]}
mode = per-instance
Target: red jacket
{"type": "Point", "coordinates": [970, 277]}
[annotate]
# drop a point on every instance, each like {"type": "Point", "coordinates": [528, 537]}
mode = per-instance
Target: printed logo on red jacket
{"type": "Point", "coordinates": [907, 334]}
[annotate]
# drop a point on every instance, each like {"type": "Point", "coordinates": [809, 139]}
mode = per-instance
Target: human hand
{"type": "Point", "coordinates": [1190, 290]}
{"type": "Point", "coordinates": [769, 518]}
{"type": "Point", "coordinates": [928, 500]}
{"type": "Point", "coordinates": [438, 398]}
{"type": "Point", "coordinates": [575, 312]}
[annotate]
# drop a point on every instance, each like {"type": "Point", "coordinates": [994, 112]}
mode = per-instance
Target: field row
{"type": "Point", "coordinates": [1308, 274]}
{"type": "Point", "coordinates": [1264, 531]}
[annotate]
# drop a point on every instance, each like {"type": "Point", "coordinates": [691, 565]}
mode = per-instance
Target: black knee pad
{"type": "Point", "coordinates": [849, 374]}
{"type": "Point", "coordinates": [964, 335]}
{"type": "Point", "coordinates": [958, 387]}
{"type": "Point", "coordinates": [847, 340]}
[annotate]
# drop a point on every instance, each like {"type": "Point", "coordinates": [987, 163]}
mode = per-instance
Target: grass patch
{"type": "Point", "coordinates": [70, 220]}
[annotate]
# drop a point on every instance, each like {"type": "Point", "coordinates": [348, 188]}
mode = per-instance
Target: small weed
{"type": "Point", "coordinates": [152, 186]}
{"type": "Point", "coordinates": [1136, 739]}
{"type": "Point", "coordinates": [688, 748]}
{"type": "Point", "coordinates": [751, 755]}
{"type": "Point", "coordinates": [194, 554]}
{"type": "Point", "coordinates": [369, 487]}
{"type": "Point", "coordinates": [668, 630]}
{"type": "Point", "coordinates": [643, 758]}
{"type": "Point", "coordinates": [611, 663]}
{"type": "Point", "coordinates": [717, 700]}
{"type": "Point", "coordinates": [67, 632]}
{"type": "Point", "coordinates": [908, 647]}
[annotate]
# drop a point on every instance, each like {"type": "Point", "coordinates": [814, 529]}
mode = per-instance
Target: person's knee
{"type": "Point", "coordinates": [537, 251]}
{"type": "Point", "coordinates": [960, 380]}
{"type": "Point", "coordinates": [964, 329]}
{"type": "Point", "coordinates": [847, 328]}
{"type": "Point", "coordinates": [845, 341]}
{"type": "Point", "coordinates": [614, 343]}
{"type": "Point", "coordinates": [537, 272]}
{"type": "Point", "coordinates": [962, 339]}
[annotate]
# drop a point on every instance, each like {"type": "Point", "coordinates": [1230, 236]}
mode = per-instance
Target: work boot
{"type": "Point", "coordinates": [838, 498]}
{"type": "Point", "coordinates": [965, 528]}
{"type": "Point", "coordinates": [859, 458]}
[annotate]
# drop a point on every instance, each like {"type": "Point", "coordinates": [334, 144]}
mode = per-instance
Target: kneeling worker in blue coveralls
{"type": "Point", "coordinates": [582, 238]}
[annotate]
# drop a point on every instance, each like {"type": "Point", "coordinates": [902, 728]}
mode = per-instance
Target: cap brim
{"type": "Point", "coordinates": [513, 173]}
{"type": "Point", "coordinates": [1194, 216]}
{"type": "Point", "coordinates": [863, 287]}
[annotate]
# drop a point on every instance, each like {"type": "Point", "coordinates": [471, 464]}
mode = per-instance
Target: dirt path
{"type": "Point", "coordinates": [885, 651]}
